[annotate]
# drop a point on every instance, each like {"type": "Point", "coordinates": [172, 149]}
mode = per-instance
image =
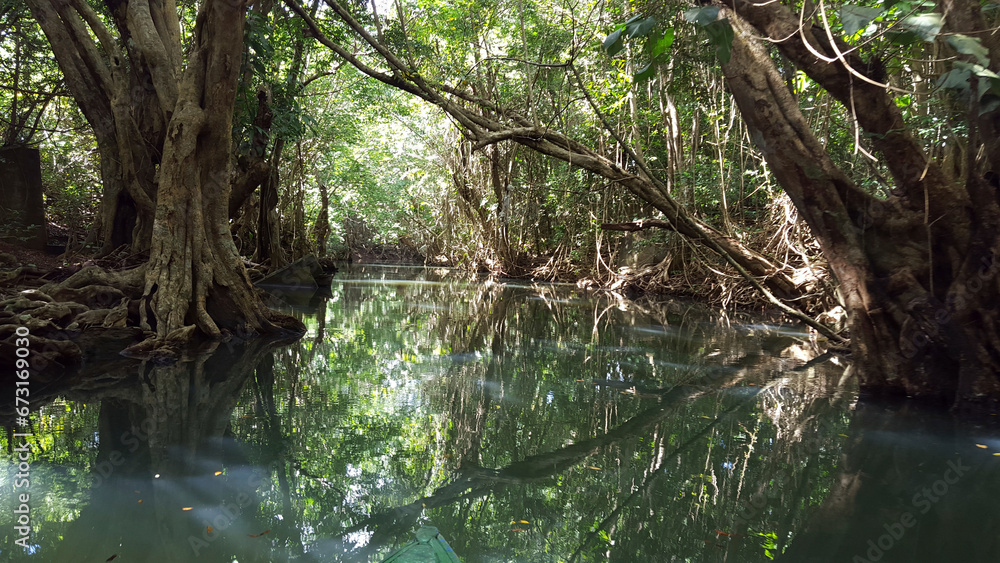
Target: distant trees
{"type": "Point", "coordinates": [917, 266]}
{"type": "Point", "coordinates": [897, 182]}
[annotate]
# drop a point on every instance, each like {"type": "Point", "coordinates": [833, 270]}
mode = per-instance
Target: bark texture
{"type": "Point", "coordinates": [195, 276]}
{"type": "Point", "coordinates": [110, 81]}
{"type": "Point", "coordinates": [126, 83]}
{"type": "Point", "coordinates": [918, 270]}
{"type": "Point", "coordinates": [163, 120]}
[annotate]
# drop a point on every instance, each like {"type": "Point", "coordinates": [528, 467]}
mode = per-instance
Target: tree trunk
{"type": "Point", "coordinates": [195, 276]}
{"type": "Point", "coordinates": [321, 228]}
{"type": "Point", "coordinates": [112, 89]}
{"type": "Point", "coordinates": [268, 226]}
{"type": "Point", "coordinates": [918, 271]}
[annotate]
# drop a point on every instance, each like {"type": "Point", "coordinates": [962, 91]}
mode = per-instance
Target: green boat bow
{"type": "Point", "coordinates": [428, 547]}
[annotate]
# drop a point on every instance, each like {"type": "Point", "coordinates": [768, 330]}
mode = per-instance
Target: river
{"type": "Point", "coordinates": [527, 422]}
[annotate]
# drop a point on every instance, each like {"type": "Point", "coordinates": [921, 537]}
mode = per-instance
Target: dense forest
{"type": "Point", "coordinates": [840, 163]}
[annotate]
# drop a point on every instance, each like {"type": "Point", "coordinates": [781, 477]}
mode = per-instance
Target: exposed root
{"type": "Point", "coordinates": [687, 270]}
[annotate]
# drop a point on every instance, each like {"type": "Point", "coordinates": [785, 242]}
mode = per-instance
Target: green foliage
{"type": "Point", "coordinates": [856, 18]}
{"type": "Point", "coordinates": [29, 77]}
{"type": "Point", "coordinates": [655, 45]}
{"type": "Point", "coordinates": [720, 32]}
{"type": "Point", "coordinates": [926, 26]}
{"type": "Point", "coordinates": [970, 46]}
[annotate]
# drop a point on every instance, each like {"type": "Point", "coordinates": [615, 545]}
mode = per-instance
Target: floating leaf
{"type": "Point", "coordinates": [594, 468]}
{"type": "Point", "coordinates": [983, 446]}
{"type": "Point", "coordinates": [702, 16]}
{"type": "Point", "coordinates": [112, 558]}
{"type": "Point", "coordinates": [217, 473]}
{"type": "Point", "coordinates": [186, 508]}
{"type": "Point", "coordinates": [970, 46]}
{"type": "Point", "coordinates": [855, 18]}
{"type": "Point", "coordinates": [927, 26]}
{"type": "Point", "coordinates": [260, 534]}
{"type": "Point", "coordinates": [209, 529]}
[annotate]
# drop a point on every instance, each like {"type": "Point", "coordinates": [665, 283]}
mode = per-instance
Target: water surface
{"type": "Point", "coordinates": [527, 422]}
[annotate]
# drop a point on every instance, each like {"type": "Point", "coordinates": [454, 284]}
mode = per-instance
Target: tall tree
{"type": "Point", "coordinates": [167, 114]}
{"type": "Point", "coordinates": [127, 89]}
{"type": "Point", "coordinates": [918, 270]}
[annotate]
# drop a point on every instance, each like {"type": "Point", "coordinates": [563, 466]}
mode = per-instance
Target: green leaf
{"type": "Point", "coordinates": [989, 103]}
{"type": "Point", "coordinates": [633, 19]}
{"type": "Point", "coordinates": [658, 46]}
{"type": "Point", "coordinates": [955, 79]}
{"type": "Point", "coordinates": [645, 72]}
{"type": "Point", "coordinates": [642, 28]}
{"type": "Point", "coordinates": [903, 37]}
{"type": "Point", "coordinates": [721, 34]}
{"type": "Point", "coordinates": [855, 18]}
{"type": "Point", "coordinates": [958, 79]}
{"type": "Point", "coordinates": [614, 43]}
{"type": "Point", "coordinates": [702, 16]}
{"type": "Point", "coordinates": [980, 70]}
{"type": "Point", "coordinates": [927, 26]}
{"type": "Point", "coordinates": [970, 46]}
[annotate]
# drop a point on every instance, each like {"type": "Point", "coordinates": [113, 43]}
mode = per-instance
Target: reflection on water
{"type": "Point", "coordinates": [528, 423]}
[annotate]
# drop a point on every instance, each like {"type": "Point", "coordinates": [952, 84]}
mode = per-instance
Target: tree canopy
{"type": "Point", "coordinates": [813, 157]}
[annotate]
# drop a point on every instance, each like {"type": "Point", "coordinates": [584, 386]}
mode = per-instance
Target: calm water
{"type": "Point", "coordinates": [528, 423]}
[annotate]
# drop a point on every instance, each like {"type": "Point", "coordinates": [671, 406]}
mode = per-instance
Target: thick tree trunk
{"type": "Point", "coordinates": [164, 133]}
{"type": "Point", "coordinates": [195, 277]}
{"type": "Point", "coordinates": [111, 90]}
{"type": "Point", "coordinates": [918, 271]}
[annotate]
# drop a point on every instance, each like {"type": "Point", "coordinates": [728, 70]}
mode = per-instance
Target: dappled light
{"type": "Point", "coordinates": [499, 280]}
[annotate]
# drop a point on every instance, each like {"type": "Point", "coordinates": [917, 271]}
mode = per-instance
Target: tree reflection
{"type": "Point", "coordinates": [169, 483]}
{"type": "Point", "coordinates": [528, 423]}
